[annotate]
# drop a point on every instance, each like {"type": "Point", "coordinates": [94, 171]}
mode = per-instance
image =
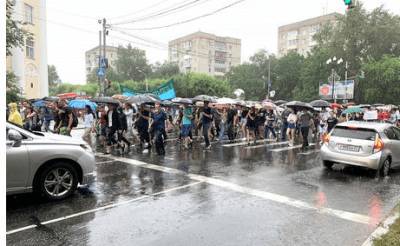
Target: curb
{"type": "Point", "coordinates": [383, 227]}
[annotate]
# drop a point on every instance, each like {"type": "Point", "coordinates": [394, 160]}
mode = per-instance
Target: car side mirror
{"type": "Point", "coordinates": [15, 136]}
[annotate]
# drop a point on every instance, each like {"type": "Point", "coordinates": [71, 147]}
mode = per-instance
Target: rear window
{"type": "Point", "coordinates": [354, 133]}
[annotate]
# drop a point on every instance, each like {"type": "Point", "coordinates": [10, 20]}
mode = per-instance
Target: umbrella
{"type": "Point", "coordinates": [336, 105]}
{"type": "Point", "coordinates": [280, 102]}
{"type": "Point", "coordinates": [120, 97]}
{"type": "Point", "coordinates": [298, 104]}
{"type": "Point", "coordinates": [364, 106]}
{"type": "Point", "coordinates": [69, 95]}
{"type": "Point", "coordinates": [39, 104]}
{"type": "Point", "coordinates": [225, 100]}
{"type": "Point", "coordinates": [320, 104]}
{"type": "Point", "coordinates": [81, 104]}
{"type": "Point", "coordinates": [51, 99]}
{"type": "Point", "coordinates": [105, 100]}
{"type": "Point", "coordinates": [204, 98]}
{"type": "Point", "coordinates": [182, 100]}
{"type": "Point", "coordinates": [167, 103]}
{"type": "Point", "coordinates": [268, 104]}
{"type": "Point", "coordinates": [378, 104]}
{"type": "Point", "coordinates": [142, 99]}
{"type": "Point", "coordinates": [353, 110]}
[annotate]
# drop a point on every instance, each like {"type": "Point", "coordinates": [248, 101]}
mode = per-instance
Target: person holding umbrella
{"type": "Point", "coordinates": [143, 126]}
{"type": "Point", "coordinates": [187, 126]}
{"type": "Point", "coordinates": [88, 119]}
{"type": "Point", "coordinates": [158, 125]}
{"type": "Point", "coordinates": [112, 126]}
{"type": "Point", "coordinates": [291, 127]}
{"type": "Point", "coordinates": [304, 121]}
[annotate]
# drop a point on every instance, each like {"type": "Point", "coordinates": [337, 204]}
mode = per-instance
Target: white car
{"type": "Point", "coordinates": [46, 163]}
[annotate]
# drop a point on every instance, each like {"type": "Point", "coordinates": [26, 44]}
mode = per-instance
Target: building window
{"type": "Point", "coordinates": [28, 14]}
{"type": "Point", "coordinates": [30, 48]}
{"type": "Point", "coordinates": [31, 85]}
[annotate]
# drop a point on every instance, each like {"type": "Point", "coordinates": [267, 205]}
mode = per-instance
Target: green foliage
{"type": "Point", "coordinates": [12, 90]}
{"type": "Point", "coordinates": [15, 35]}
{"type": "Point", "coordinates": [53, 77]}
{"type": "Point", "coordinates": [165, 70]}
{"type": "Point", "coordinates": [193, 84]}
{"type": "Point", "coordinates": [249, 78]}
{"type": "Point", "coordinates": [132, 64]}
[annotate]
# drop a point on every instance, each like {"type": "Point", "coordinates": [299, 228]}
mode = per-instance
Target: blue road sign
{"type": "Point", "coordinates": [100, 72]}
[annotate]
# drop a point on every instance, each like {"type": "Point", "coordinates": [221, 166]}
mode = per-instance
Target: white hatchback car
{"type": "Point", "coordinates": [368, 144]}
{"type": "Point", "coordinates": [46, 163]}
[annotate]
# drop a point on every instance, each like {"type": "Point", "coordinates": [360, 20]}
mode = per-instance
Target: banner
{"type": "Point", "coordinates": [343, 90]}
{"type": "Point", "coordinates": [165, 91]}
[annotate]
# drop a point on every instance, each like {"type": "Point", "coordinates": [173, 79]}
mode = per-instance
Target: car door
{"type": "Point", "coordinates": [396, 145]}
{"type": "Point", "coordinates": [17, 165]}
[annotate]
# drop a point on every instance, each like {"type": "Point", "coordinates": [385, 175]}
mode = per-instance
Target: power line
{"type": "Point", "coordinates": [159, 13]}
{"type": "Point", "coordinates": [188, 20]}
{"type": "Point", "coordinates": [140, 10]}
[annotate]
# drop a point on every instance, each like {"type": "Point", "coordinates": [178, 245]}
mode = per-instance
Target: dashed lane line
{"type": "Point", "coordinates": [113, 205]}
{"type": "Point", "coordinates": [266, 145]}
{"type": "Point", "coordinates": [289, 148]}
{"type": "Point", "coordinates": [350, 216]}
{"type": "Point", "coordinates": [245, 143]}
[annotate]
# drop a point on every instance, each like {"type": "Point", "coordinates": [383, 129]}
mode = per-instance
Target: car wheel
{"type": "Point", "coordinates": [327, 164]}
{"type": "Point", "coordinates": [58, 181]}
{"type": "Point", "coordinates": [385, 168]}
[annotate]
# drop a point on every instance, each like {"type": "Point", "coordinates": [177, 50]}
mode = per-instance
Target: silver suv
{"type": "Point", "coordinates": [46, 163]}
{"type": "Point", "coordinates": [368, 144]}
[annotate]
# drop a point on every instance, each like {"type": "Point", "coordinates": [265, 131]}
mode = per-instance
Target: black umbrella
{"type": "Point", "coordinates": [299, 105]}
{"type": "Point", "coordinates": [320, 104]}
{"type": "Point", "coordinates": [280, 102]}
{"type": "Point", "coordinates": [51, 99]}
{"type": "Point", "coordinates": [142, 99]}
{"type": "Point", "coordinates": [105, 100]}
{"type": "Point", "coordinates": [167, 103]}
{"type": "Point", "coordinates": [204, 98]}
{"type": "Point", "coordinates": [379, 104]}
{"type": "Point", "coordinates": [182, 100]}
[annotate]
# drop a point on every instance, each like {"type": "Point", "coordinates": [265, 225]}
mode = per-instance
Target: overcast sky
{"type": "Point", "coordinates": [255, 22]}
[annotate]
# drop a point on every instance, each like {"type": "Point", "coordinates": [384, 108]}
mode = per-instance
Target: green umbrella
{"type": "Point", "coordinates": [353, 110]}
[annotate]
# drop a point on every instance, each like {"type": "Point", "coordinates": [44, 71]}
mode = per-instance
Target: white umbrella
{"type": "Point", "coordinates": [225, 100]}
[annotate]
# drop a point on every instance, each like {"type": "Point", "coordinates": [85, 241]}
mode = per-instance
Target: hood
{"type": "Point", "coordinates": [56, 138]}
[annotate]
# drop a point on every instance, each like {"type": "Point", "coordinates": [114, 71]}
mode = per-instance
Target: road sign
{"type": "Point", "coordinates": [103, 62]}
{"type": "Point", "coordinates": [101, 72]}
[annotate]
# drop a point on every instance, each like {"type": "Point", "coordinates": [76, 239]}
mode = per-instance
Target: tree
{"type": "Point", "coordinates": [15, 35]}
{"type": "Point", "coordinates": [193, 84]}
{"type": "Point", "coordinates": [165, 70]}
{"type": "Point", "coordinates": [382, 81]}
{"type": "Point", "coordinates": [247, 77]}
{"type": "Point", "coordinates": [53, 77]}
{"type": "Point", "coordinates": [12, 90]}
{"type": "Point", "coordinates": [132, 64]}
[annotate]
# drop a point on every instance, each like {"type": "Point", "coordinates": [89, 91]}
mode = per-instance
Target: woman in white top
{"type": "Point", "coordinates": [292, 119]}
{"type": "Point", "coordinates": [128, 111]}
{"type": "Point", "coordinates": [88, 119]}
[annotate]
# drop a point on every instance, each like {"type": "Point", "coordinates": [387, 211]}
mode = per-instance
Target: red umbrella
{"type": "Point", "coordinates": [69, 95]}
{"type": "Point", "coordinates": [336, 105]}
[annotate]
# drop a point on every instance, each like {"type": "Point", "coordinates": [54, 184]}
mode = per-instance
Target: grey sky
{"type": "Point", "coordinates": [255, 22]}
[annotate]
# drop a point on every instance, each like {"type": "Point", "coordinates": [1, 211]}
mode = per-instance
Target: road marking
{"type": "Point", "coordinates": [289, 148]}
{"type": "Point", "coordinates": [104, 162]}
{"type": "Point", "coordinates": [382, 229]}
{"type": "Point", "coordinates": [113, 205]}
{"type": "Point", "coordinates": [266, 145]}
{"type": "Point", "coordinates": [354, 217]}
{"type": "Point", "coordinates": [309, 152]}
{"type": "Point", "coordinates": [245, 143]}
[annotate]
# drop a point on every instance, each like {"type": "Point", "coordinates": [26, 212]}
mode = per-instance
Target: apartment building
{"type": "Point", "coordinates": [205, 53]}
{"type": "Point", "coordinates": [298, 36]}
{"type": "Point", "coordinates": [29, 63]}
{"type": "Point", "coordinates": [92, 58]}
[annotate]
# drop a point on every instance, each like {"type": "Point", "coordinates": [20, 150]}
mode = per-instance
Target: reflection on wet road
{"type": "Point", "coordinates": [267, 194]}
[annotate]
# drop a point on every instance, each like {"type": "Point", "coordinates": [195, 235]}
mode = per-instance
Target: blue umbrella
{"type": "Point", "coordinates": [81, 104]}
{"type": "Point", "coordinates": [39, 104]}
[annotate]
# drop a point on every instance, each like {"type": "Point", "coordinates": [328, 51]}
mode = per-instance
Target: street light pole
{"type": "Point", "coordinates": [269, 74]}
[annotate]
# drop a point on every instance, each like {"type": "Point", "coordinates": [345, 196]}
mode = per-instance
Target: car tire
{"type": "Point", "coordinates": [327, 164]}
{"type": "Point", "coordinates": [385, 168]}
{"type": "Point", "coordinates": [57, 181]}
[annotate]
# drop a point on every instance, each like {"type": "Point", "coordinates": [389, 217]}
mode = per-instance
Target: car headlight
{"type": "Point", "coordinates": [87, 147]}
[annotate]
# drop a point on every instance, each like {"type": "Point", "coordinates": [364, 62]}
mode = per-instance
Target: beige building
{"type": "Point", "coordinates": [205, 53]}
{"type": "Point", "coordinates": [29, 63]}
{"type": "Point", "coordinates": [92, 58]}
{"type": "Point", "coordinates": [298, 36]}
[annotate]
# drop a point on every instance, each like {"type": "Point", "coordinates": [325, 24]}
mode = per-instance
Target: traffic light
{"type": "Point", "coordinates": [349, 4]}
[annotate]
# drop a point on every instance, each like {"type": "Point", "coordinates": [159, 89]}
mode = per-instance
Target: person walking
{"type": "Point", "coordinates": [304, 122]}
{"type": "Point", "coordinates": [251, 125]}
{"type": "Point", "coordinates": [206, 121]}
{"type": "Point", "coordinates": [112, 126]}
{"type": "Point", "coordinates": [159, 119]}
{"type": "Point", "coordinates": [143, 126]}
{"type": "Point", "coordinates": [66, 119]}
{"type": "Point", "coordinates": [89, 122]}
{"type": "Point", "coordinates": [123, 143]}
{"type": "Point", "coordinates": [331, 122]}
{"type": "Point", "coordinates": [129, 111]}
{"type": "Point", "coordinates": [231, 121]}
{"type": "Point", "coordinates": [222, 124]}
{"type": "Point", "coordinates": [270, 124]}
{"type": "Point", "coordinates": [291, 127]}
{"type": "Point", "coordinates": [284, 118]}
{"type": "Point", "coordinates": [187, 126]}
{"type": "Point", "coordinates": [15, 116]}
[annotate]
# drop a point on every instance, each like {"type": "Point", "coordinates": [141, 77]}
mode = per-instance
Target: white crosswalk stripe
{"type": "Point", "coordinates": [289, 148]}
{"type": "Point", "coordinates": [266, 145]}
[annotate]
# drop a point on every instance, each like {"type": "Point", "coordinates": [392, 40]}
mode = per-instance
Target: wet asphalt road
{"type": "Point", "coordinates": [232, 195]}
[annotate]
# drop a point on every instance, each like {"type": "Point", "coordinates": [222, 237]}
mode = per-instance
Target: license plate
{"type": "Point", "coordinates": [351, 148]}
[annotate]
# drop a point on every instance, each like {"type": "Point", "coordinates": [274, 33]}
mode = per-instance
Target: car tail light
{"type": "Point", "coordinates": [325, 138]}
{"type": "Point", "coordinates": [378, 145]}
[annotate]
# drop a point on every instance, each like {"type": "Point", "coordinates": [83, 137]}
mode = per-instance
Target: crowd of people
{"type": "Point", "coordinates": [120, 126]}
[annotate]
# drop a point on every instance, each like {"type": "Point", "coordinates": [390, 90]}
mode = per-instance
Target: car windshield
{"type": "Point", "coordinates": [22, 130]}
{"type": "Point", "coordinates": [354, 133]}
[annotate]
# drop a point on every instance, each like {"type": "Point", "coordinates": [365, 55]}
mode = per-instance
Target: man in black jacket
{"type": "Point", "coordinates": [112, 125]}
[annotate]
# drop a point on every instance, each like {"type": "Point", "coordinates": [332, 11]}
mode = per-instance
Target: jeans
{"type": "Point", "coordinates": [267, 129]}
{"type": "Point", "coordinates": [159, 141]}
{"type": "Point", "coordinates": [221, 130]}
{"type": "Point", "coordinates": [46, 125]}
{"type": "Point", "coordinates": [304, 133]}
{"type": "Point", "coordinates": [206, 127]}
{"type": "Point", "coordinates": [231, 131]}
{"type": "Point", "coordinates": [284, 130]}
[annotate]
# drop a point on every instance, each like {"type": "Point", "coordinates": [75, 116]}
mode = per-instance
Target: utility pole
{"type": "Point", "coordinates": [105, 32]}
{"type": "Point", "coordinates": [269, 75]}
{"type": "Point", "coordinates": [99, 59]}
